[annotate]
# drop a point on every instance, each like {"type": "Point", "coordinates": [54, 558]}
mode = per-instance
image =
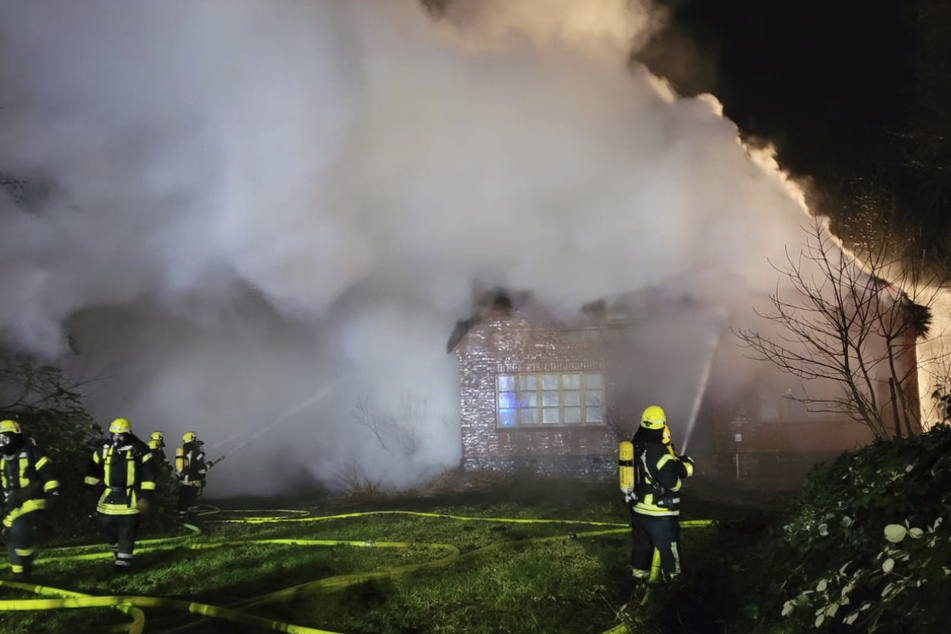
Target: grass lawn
{"type": "Point", "coordinates": [472, 561]}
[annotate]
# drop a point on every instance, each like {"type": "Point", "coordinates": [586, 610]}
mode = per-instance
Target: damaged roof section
{"type": "Point", "coordinates": [620, 312]}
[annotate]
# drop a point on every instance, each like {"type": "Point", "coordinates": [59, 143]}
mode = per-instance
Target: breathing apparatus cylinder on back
{"type": "Point", "coordinates": [625, 465]}
{"type": "Point", "coordinates": [179, 459]}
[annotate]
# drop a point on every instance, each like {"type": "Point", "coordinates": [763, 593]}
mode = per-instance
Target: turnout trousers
{"type": "Point", "coordinates": [19, 541]}
{"type": "Point", "coordinates": [120, 530]}
{"type": "Point", "coordinates": [649, 532]}
{"type": "Point", "coordinates": [187, 498]}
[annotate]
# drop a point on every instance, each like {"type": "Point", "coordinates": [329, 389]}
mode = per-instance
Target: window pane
{"type": "Point", "coordinates": [528, 399]}
{"type": "Point", "coordinates": [549, 381]}
{"type": "Point", "coordinates": [594, 381]}
{"type": "Point", "coordinates": [571, 381]}
{"type": "Point", "coordinates": [572, 398]}
{"type": "Point", "coordinates": [592, 398]}
{"type": "Point", "coordinates": [572, 414]}
{"type": "Point", "coordinates": [796, 410]}
{"type": "Point", "coordinates": [550, 399]}
{"type": "Point", "coordinates": [768, 409]}
{"type": "Point", "coordinates": [527, 416]}
{"type": "Point", "coordinates": [507, 400]}
{"type": "Point", "coordinates": [593, 415]}
{"type": "Point", "coordinates": [550, 415]}
{"type": "Point", "coordinates": [506, 383]}
{"type": "Point", "coordinates": [507, 417]}
{"type": "Point", "coordinates": [526, 382]}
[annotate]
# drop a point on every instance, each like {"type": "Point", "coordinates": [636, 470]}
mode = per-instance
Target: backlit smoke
{"type": "Point", "coordinates": [934, 355]}
{"type": "Point", "coordinates": [232, 204]}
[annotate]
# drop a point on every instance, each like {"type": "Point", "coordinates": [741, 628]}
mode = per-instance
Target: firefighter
{"type": "Point", "coordinates": [191, 469]}
{"type": "Point", "coordinates": [165, 485]}
{"type": "Point", "coordinates": [157, 448]}
{"type": "Point", "coordinates": [127, 472]}
{"type": "Point", "coordinates": [654, 499]}
{"type": "Point", "coordinates": [28, 486]}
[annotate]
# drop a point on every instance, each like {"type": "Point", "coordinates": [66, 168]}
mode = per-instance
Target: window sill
{"type": "Point", "coordinates": [550, 426]}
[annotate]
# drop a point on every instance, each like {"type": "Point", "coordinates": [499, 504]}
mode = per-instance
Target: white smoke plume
{"type": "Point", "coordinates": [233, 204]}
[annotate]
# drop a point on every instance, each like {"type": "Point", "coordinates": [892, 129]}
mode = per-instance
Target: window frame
{"type": "Point", "coordinates": [537, 403]}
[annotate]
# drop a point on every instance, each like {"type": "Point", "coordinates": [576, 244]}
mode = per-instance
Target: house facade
{"type": "Point", "coordinates": [552, 395]}
{"type": "Point", "coordinates": [533, 392]}
{"type": "Point", "coordinates": [765, 436]}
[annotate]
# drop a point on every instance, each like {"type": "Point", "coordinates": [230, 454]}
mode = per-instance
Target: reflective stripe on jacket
{"type": "Point", "coordinates": [128, 475]}
{"type": "Point", "coordinates": [658, 476]}
{"type": "Point", "coordinates": [27, 468]}
{"type": "Point", "coordinates": [194, 468]}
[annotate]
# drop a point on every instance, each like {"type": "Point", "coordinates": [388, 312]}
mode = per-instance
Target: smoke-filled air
{"type": "Point", "coordinates": [261, 219]}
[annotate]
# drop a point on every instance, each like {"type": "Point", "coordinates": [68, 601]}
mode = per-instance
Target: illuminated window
{"type": "Point", "coordinates": [543, 399]}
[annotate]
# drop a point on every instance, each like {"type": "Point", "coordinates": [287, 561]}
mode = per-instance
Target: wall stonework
{"type": "Point", "coordinates": [757, 454]}
{"type": "Point", "coordinates": [596, 467]}
{"type": "Point", "coordinates": [511, 343]}
{"type": "Point", "coordinates": [774, 452]}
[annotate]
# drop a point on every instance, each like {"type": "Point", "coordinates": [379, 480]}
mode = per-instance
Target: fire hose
{"type": "Point", "coordinates": [131, 605]}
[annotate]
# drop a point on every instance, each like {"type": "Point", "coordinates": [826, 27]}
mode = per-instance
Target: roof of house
{"type": "Point", "coordinates": [621, 311]}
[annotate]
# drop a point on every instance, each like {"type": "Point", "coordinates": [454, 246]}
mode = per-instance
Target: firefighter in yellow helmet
{"type": "Point", "coordinates": [157, 449]}
{"type": "Point", "coordinates": [28, 486]}
{"type": "Point", "coordinates": [655, 499]}
{"type": "Point", "coordinates": [165, 484]}
{"type": "Point", "coordinates": [191, 468]}
{"type": "Point", "coordinates": [124, 466]}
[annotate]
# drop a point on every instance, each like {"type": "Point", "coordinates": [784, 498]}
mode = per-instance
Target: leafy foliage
{"type": "Point", "coordinates": [51, 413]}
{"type": "Point", "coordinates": [942, 398]}
{"type": "Point", "coordinates": [870, 544]}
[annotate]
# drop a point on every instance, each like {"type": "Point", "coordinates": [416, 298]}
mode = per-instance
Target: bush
{"type": "Point", "coordinates": [870, 543]}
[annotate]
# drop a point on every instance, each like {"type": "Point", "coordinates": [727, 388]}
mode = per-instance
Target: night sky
{"type": "Point", "coordinates": [851, 93]}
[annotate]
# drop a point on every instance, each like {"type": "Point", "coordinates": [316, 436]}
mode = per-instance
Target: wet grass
{"type": "Point", "coordinates": [501, 580]}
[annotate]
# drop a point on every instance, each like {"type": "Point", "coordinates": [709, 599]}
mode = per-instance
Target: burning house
{"type": "Point", "coordinates": [550, 394]}
{"type": "Point", "coordinates": [556, 395]}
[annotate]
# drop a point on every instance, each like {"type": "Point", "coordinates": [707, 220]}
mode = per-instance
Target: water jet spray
{"type": "Point", "coordinates": [318, 395]}
{"type": "Point", "coordinates": [704, 378]}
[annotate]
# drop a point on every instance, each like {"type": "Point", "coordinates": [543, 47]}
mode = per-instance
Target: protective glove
{"type": "Point", "coordinates": [687, 471]}
{"type": "Point", "coordinates": [52, 498]}
{"type": "Point", "coordinates": [143, 505]}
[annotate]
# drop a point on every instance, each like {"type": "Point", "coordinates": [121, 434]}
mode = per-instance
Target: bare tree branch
{"type": "Point", "coordinates": [846, 325]}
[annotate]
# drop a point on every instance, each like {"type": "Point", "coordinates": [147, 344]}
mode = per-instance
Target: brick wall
{"type": "Point", "coordinates": [771, 455]}
{"type": "Point", "coordinates": [822, 436]}
{"type": "Point", "coordinates": [510, 342]}
{"type": "Point", "coordinates": [757, 454]}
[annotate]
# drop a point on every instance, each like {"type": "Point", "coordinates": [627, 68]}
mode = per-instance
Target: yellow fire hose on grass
{"type": "Point", "coordinates": [131, 605]}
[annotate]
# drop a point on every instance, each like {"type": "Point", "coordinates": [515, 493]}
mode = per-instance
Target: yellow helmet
{"type": "Point", "coordinates": [9, 427]}
{"type": "Point", "coordinates": [654, 418]}
{"type": "Point", "coordinates": [120, 426]}
{"type": "Point", "coordinates": [157, 435]}
{"type": "Point", "coordinates": [189, 436]}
